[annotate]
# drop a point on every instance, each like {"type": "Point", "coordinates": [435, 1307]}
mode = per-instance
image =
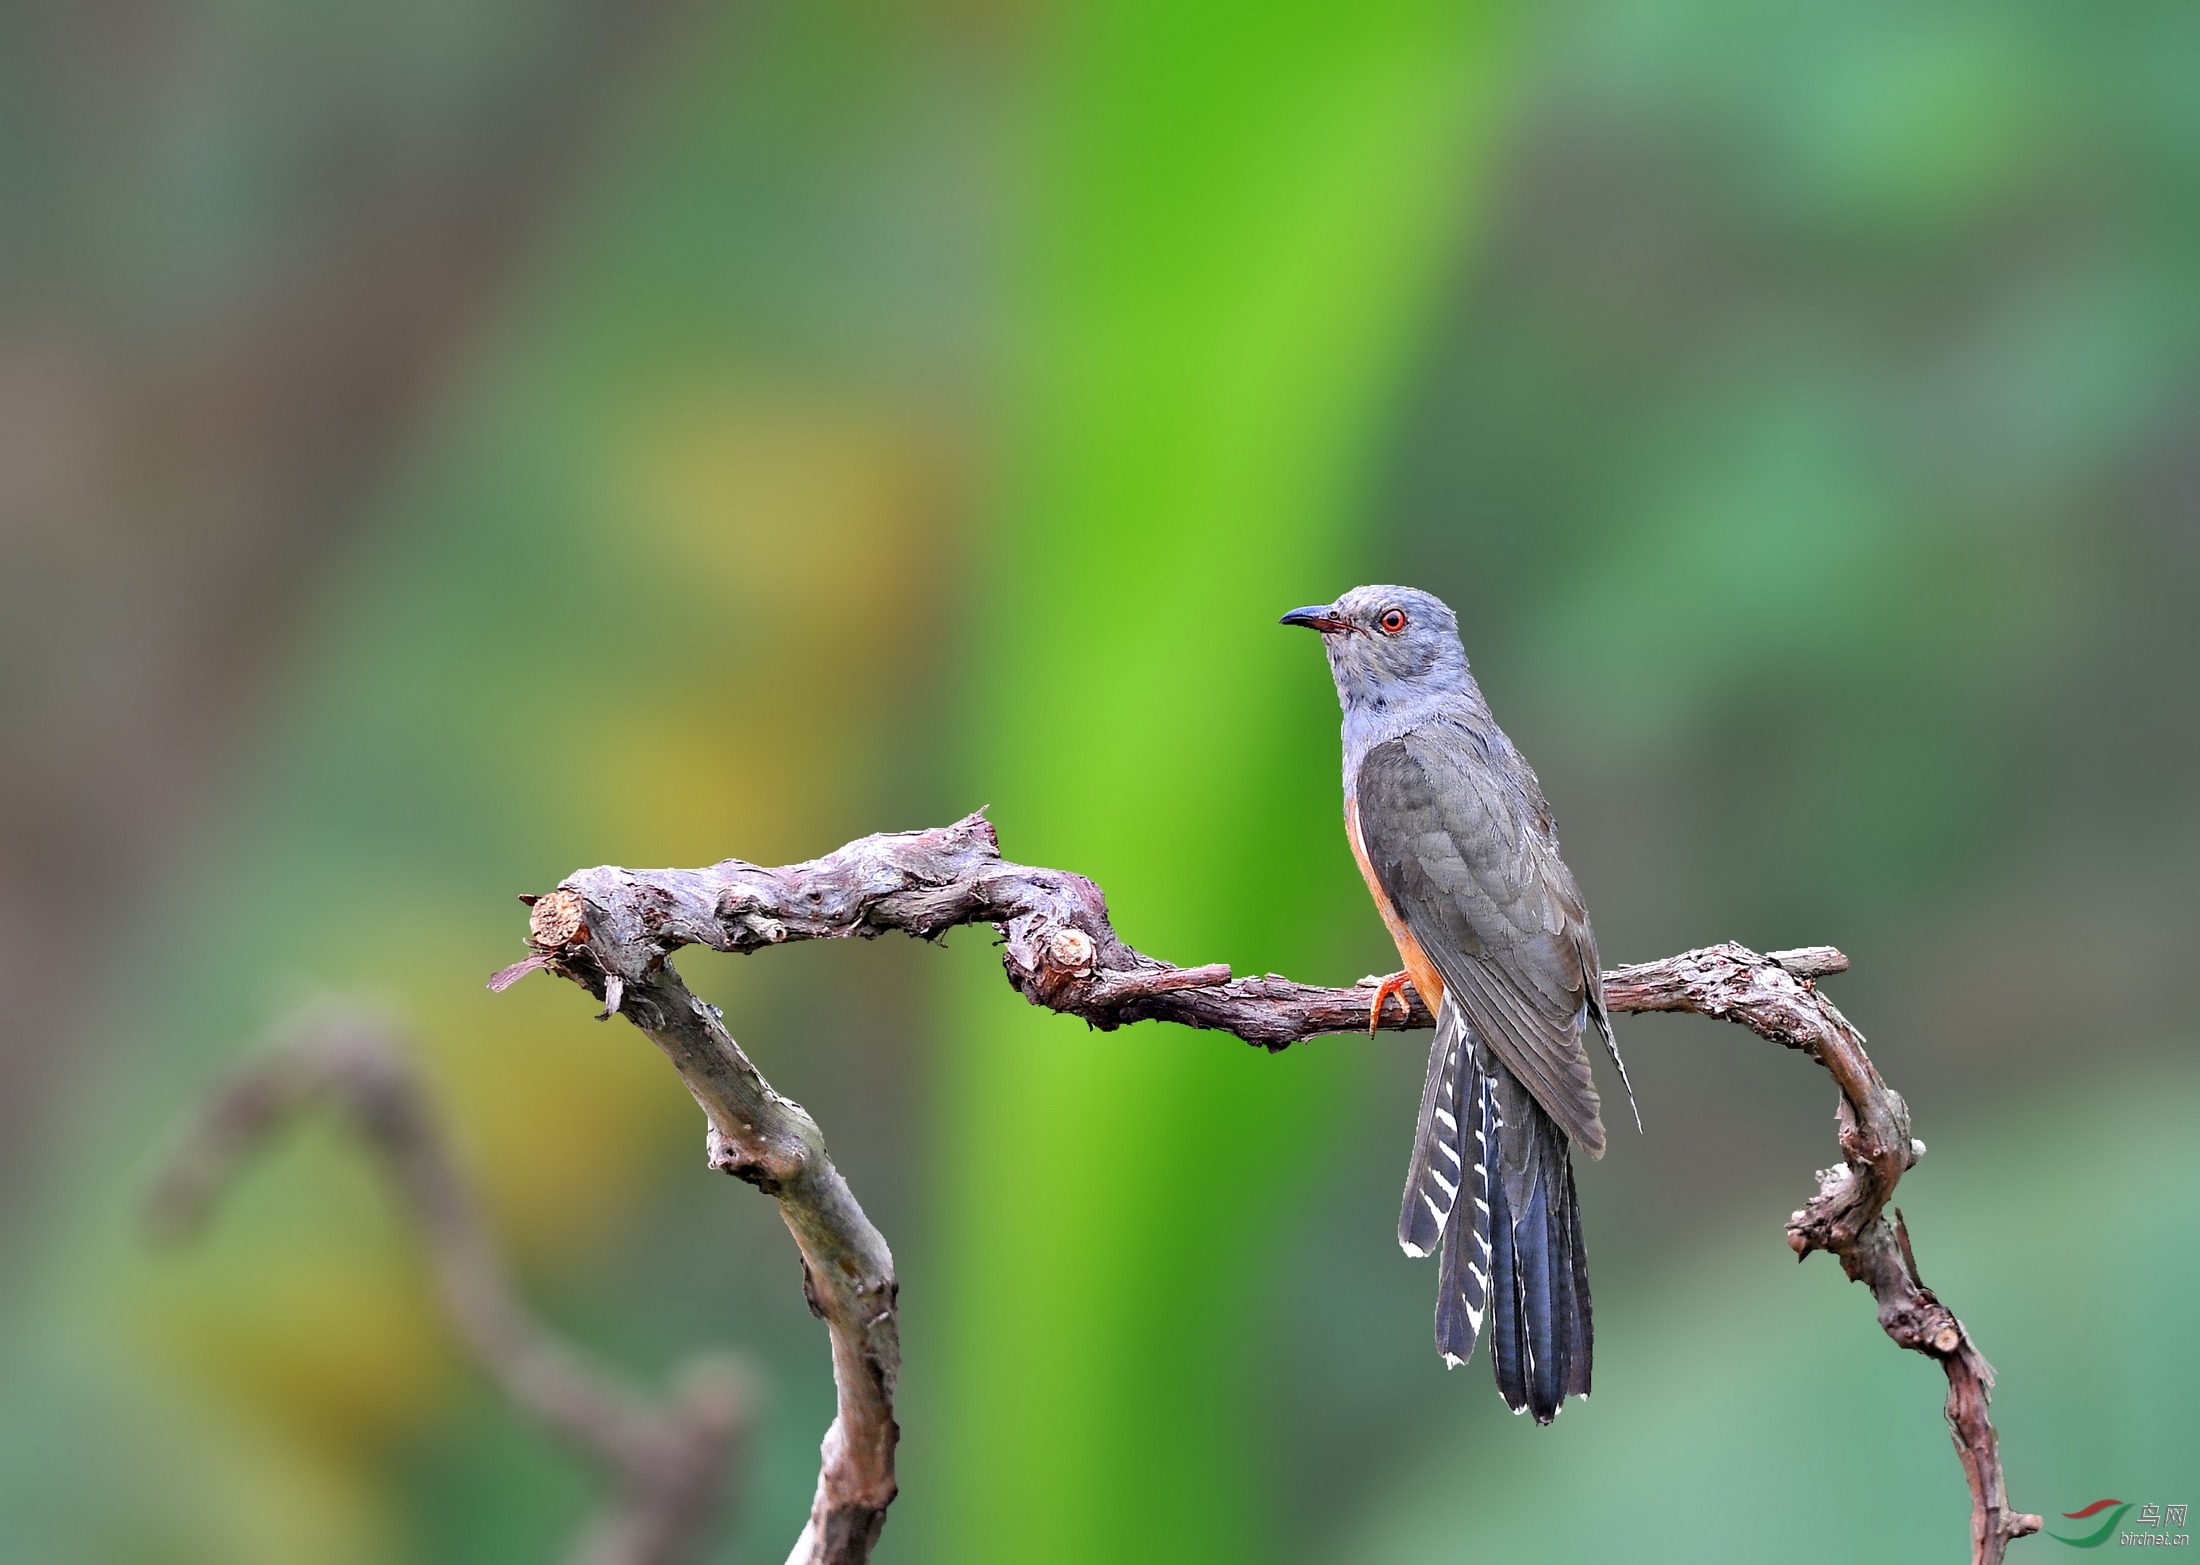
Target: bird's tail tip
{"type": "Point", "coordinates": [1541, 1334]}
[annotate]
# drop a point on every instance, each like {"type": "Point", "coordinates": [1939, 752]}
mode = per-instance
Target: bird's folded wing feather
{"type": "Point", "coordinates": [1464, 849]}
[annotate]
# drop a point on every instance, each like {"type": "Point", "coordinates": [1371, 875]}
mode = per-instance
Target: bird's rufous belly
{"type": "Point", "coordinates": [1410, 956]}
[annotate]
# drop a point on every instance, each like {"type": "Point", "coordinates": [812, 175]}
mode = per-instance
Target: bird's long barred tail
{"type": "Point", "coordinates": [1492, 1187]}
{"type": "Point", "coordinates": [1439, 1165]}
{"type": "Point", "coordinates": [1447, 1200]}
{"type": "Point", "coordinates": [1463, 1273]}
{"type": "Point", "coordinates": [1541, 1336]}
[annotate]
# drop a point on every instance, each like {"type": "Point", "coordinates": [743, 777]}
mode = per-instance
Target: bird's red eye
{"type": "Point", "coordinates": [1393, 621]}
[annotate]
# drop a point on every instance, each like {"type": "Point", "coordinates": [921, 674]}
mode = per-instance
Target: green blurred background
{"type": "Point", "coordinates": [443, 445]}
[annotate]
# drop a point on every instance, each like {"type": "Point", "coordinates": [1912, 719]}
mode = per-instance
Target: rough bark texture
{"type": "Point", "coordinates": [1776, 998]}
{"type": "Point", "coordinates": [613, 930]}
{"type": "Point", "coordinates": [667, 1462]}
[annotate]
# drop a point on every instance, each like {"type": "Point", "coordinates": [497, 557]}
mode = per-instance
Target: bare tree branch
{"type": "Point", "coordinates": [667, 1463]}
{"type": "Point", "coordinates": [1847, 1216]}
{"type": "Point", "coordinates": [613, 931]}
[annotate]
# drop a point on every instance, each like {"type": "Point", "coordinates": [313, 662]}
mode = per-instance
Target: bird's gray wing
{"type": "Point", "coordinates": [1462, 845]}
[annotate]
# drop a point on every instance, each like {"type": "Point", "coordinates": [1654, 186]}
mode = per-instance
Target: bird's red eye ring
{"type": "Point", "coordinates": [1393, 621]}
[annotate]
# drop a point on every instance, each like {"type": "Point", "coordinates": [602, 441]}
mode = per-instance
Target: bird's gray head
{"type": "Point", "coordinates": [1388, 645]}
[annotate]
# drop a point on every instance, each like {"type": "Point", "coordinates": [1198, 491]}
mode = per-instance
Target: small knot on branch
{"type": "Point", "coordinates": [1070, 951]}
{"type": "Point", "coordinates": [727, 1156]}
{"type": "Point", "coordinates": [1062, 967]}
{"type": "Point", "coordinates": [558, 921]}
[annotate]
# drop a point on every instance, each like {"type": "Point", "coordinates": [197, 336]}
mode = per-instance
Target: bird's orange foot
{"type": "Point", "coordinates": [1395, 986]}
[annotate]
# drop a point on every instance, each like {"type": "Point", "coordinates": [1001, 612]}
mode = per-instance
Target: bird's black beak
{"type": "Point", "coordinates": [1321, 616]}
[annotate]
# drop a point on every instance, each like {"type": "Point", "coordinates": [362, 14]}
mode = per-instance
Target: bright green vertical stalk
{"type": "Point", "coordinates": [1238, 211]}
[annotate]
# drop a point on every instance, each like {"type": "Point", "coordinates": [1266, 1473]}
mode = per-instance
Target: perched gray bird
{"type": "Point", "coordinates": [1461, 855]}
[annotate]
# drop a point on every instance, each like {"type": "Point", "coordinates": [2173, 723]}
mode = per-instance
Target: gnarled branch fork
{"type": "Point", "coordinates": [667, 1461]}
{"type": "Point", "coordinates": [613, 931]}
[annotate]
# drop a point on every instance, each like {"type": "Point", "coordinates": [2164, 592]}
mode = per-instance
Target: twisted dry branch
{"type": "Point", "coordinates": [612, 930]}
{"type": "Point", "coordinates": [667, 1462]}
